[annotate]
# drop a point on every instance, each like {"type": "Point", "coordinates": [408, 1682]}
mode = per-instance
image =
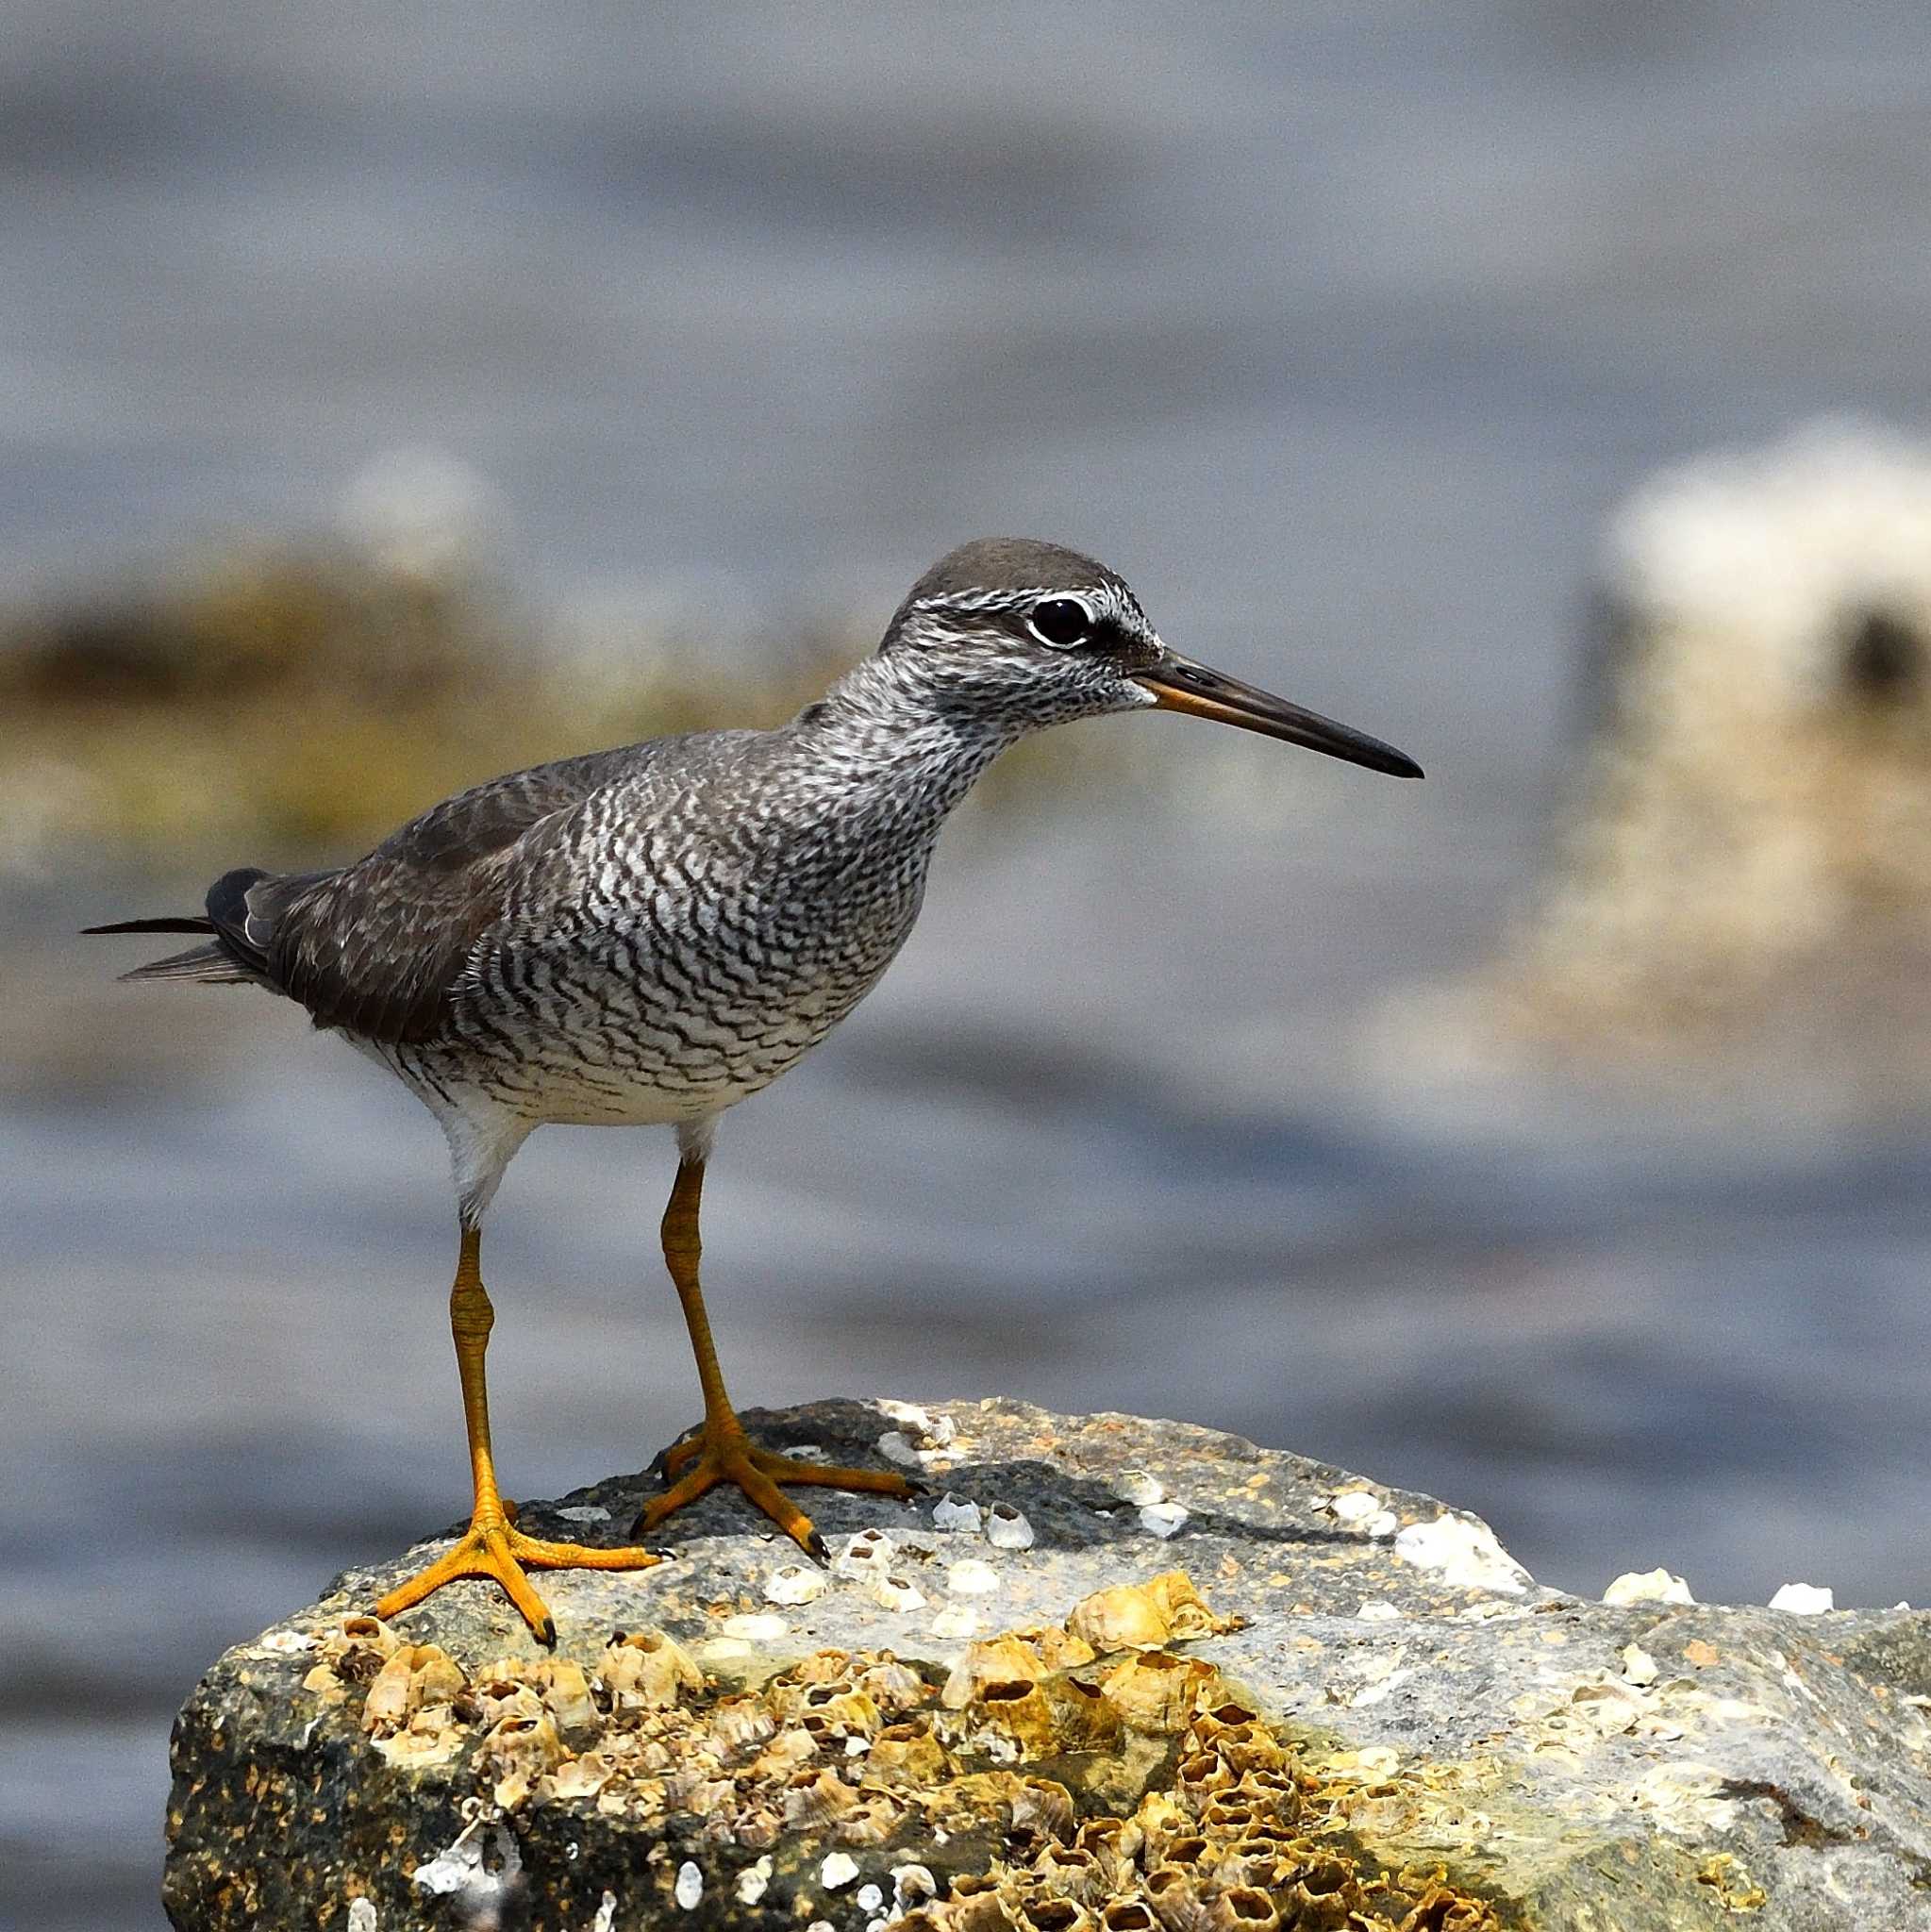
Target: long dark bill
{"type": "Point", "coordinates": [1178, 684]}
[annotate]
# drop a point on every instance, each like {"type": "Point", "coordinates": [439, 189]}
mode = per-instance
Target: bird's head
{"type": "Point", "coordinates": [1026, 634]}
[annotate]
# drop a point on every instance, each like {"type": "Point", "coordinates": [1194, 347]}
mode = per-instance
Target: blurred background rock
{"type": "Point", "coordinates": [1740, 887]}
{"type": "Point", "coordinates": [387, 399]}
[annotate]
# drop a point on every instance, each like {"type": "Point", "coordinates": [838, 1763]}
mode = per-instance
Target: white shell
{"type": "Point", "coordinates": [1464, 1552]}
{"type": "Point", "coordinates": [957, 1513]}
{"type": "Point", "coordinates": [754, 1626]}
{"type": "Point", "coordinates": [911, 1884]}
{"type": "Point", "coordinates": [796, 1584]}
{"type": "Point", "coordinates": [1135, 1486]}
{"type": "Point", "coordinates": [972, 1577]}
{"type": "Point", "coordinates": [956, 1620]}
{"type": "Point", "coordinates": [585, 1512]}
{"type": "Point", "coordinates": [1007, 1528]}
{"type": "Point", "coordinates": [896, 1447]}
{"type": "Point", "coordinates": [1804, 1599]}
{"type": "Point", "coordinates": [868, 1898]}
{"type": "Point", "coordinates": [1356, 1506]}
{"type": "Point", "coordinates": [1373, 1610]}
{"type": "Point", "coordinates": [897, 1594]}
{"type": "Point", "coordinates": [753, 1881]}
{"type": "Point", "coordinates": [868, 1553]}
{"type": "Point", "coordinates": [1639, 1667]}
{"type": "Point", "coordinates": [839, 1869]}
{"type": "Point", "coordinates": [690, 1884]}
{"type": "Point", "coordinates": [1645, 1587]}
{"type": "Point", "coordinates": [1163, 1519]}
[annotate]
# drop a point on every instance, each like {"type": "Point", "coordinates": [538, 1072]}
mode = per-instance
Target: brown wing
{"type": "Point", "coordinates": [378, 948]}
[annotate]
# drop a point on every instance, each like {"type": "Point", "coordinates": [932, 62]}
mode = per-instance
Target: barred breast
{"type": "Point", "coordinates": [680, 940]}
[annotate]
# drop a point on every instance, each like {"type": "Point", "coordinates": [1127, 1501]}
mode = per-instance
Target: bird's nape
{"type": "Point", "coordinates": [1178, 684]}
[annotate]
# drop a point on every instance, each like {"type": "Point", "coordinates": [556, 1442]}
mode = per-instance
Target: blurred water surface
{"type": "Point", "coordinates": [1337, 329]}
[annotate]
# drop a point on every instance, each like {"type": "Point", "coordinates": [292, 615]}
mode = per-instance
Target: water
{"type": "Point", "coordinates": [1339, 332]}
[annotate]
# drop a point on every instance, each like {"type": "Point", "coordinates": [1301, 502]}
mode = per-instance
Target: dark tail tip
{"type": "Point", "coordinates": [198, 925]}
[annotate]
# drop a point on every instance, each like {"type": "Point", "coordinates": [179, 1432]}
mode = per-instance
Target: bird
{"type": "Point", "coordinates": [649, 935]}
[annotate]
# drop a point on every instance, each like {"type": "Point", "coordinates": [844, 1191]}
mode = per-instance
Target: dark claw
{"type": "Point", "coordinates": [915, 1489]}
{"type": "Point", "coordinates": [815, 1549]}
{"type": "Point", "coordinates": [656, 1465]}
{"type": "Point", "coordinates": [546, 1632]}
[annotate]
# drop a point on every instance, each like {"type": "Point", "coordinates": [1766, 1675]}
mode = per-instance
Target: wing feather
{"type": "Point", "coordinates": [380, 947]}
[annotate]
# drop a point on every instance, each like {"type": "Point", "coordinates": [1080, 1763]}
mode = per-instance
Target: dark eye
{"type": "Point", "coordinates": [1060, 621]}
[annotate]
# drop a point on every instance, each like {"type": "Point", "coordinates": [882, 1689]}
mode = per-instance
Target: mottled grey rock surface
{"type": "Point", "coordinates": [1371, 1710]}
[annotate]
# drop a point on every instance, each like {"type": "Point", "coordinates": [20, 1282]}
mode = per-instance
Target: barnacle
{"type": "Point", "coordinates": [869, 1821]}
{"type": "Point", "coordinates": [1126, 1617]}
{"type": "Point", "coordinates": [1070, 1870]}
{"type": "Point", "coordinates": [1115, 1848]}
{"type": "Point", "coordinates": [1019, 1711]}
{"type": "Point", "coordinates": [1055, 1915]}
{"type": "Point", "coordinates": [739, 1723]}
{"type": "Point", "coordinates": [1044, 1806]}
{"type": "Point", "coordinates": [356, 1647]}
{"type": "Point", "coordinates": [1157, 1691]}
{"type": "Point", "coordinates": [786, 1752]}
{"type": "Point", "coordinates": [413, 1676]}
{"type": "Point", "coordinates": [994, 1660]}
{"type": "Point", "coordinates": [1173, 1891]}
{"type": "Point", "coordinates": [521, 1749]}
{"type": "Point", "coordinates": [1085, 1718]}
{"type": "Point", "coordinates": [816, 1797]}
{"type": "Point", "coordinates": [1116, 1783]}
{"type": "Point", "coordinates": [907, 1753]}
{"type": "Point", "coordinates": [844, 1712]}
{"type": "Point", "coordinates": [564, 1689]}
{"type": "Point", "coordinates": [1056, 1647]}
{"type": "Point", "coordinates": [893, 1686]}
{"type": "Point", "coordinates": [1245, 1909]}
{"type": "Point", "coordinates": [648, 1671]}
{"type": "Point", "coordinates": [1145, 1616]}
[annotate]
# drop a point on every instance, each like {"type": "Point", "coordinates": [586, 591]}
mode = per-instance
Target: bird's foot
{"type": "Point", "coordinates": [722, 1452]}
{"type": "Point", "coordinates": [492, 1547]}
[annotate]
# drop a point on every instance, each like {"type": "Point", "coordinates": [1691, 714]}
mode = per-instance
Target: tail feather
{"type": "Point", "coordinates": [154, 926]}
{"type": "Point", "coordinates": [225, 959]}
{"type": "Point", "coordinates": [209, 964]}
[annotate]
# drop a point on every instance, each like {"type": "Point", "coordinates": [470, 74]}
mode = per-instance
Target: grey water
{"type": "Point", "coordinates": [1340, 330]}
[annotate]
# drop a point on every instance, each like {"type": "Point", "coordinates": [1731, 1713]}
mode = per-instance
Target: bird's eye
{"type": "Point", "coordinates": [1061, 622]}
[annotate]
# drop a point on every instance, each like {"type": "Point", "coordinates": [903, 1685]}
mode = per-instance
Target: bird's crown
{"type": "Point", "coordinates": [1039, 592]}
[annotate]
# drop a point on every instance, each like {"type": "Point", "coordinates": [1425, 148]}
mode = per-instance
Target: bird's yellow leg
{"type": "Point", "coordinates": [492, 1547]}
{"type": "Point", "coordinates": [721, 1451]}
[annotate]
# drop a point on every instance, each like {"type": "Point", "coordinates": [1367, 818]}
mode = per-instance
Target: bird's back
{"type": "Point", "coordinates": [376, 948]}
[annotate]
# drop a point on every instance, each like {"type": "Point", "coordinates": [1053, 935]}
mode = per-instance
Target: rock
{"type": "Point", "coordinates": [1740, 879]}
{"type": "Point", "coordinates": [1292, 1709]}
